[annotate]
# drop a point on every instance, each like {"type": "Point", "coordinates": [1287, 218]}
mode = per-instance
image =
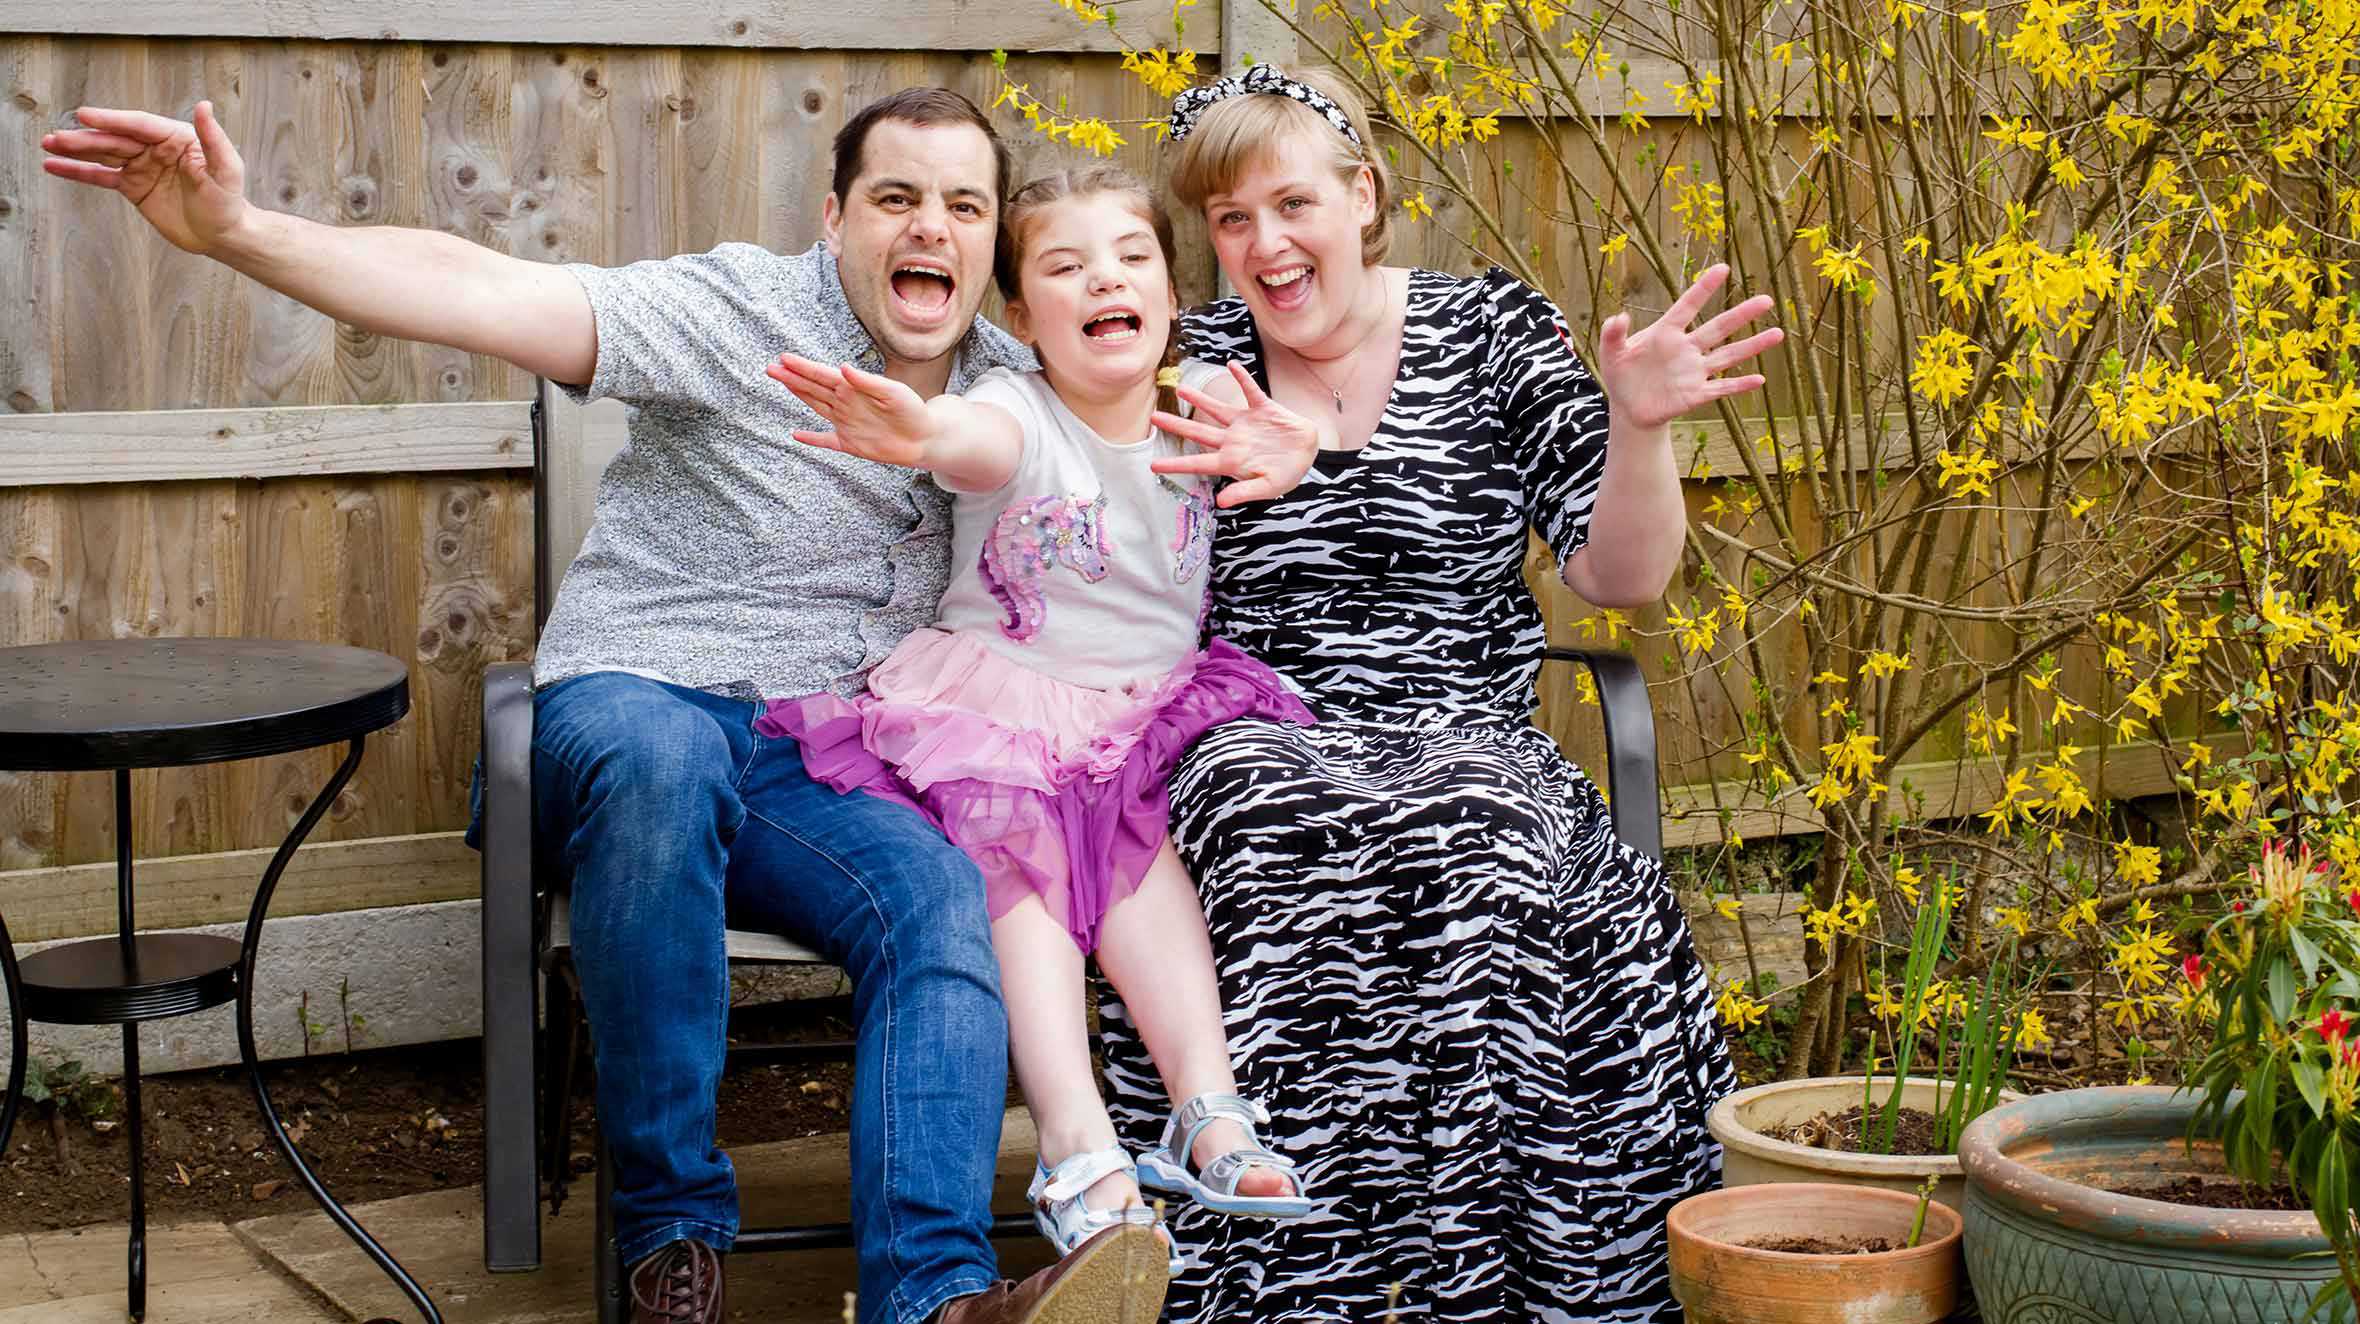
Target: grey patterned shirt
{"type": "Point", "coordinates": [724, 555]}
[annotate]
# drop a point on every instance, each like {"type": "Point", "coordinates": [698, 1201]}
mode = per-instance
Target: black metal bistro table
{"type": "Point", "coordinates": [118, 704]}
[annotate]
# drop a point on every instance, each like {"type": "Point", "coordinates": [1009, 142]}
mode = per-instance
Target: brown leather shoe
{"type": "Point", "coordinates": [679, 1284]}
{"type": "Point", "coordinates": [1116, 1277]}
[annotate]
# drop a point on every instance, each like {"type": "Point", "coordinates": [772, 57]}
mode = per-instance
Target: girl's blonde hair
{"type": "Point", "coordinates": [1233, 136]}
{"type": "Point", "coordinates": [1025, 206]}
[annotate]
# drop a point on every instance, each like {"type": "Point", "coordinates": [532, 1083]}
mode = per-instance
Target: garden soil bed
{"type": "Point", "coordinates": [2203, 1194]}
{"type": "Point", "coordinates": [1824, 1245]}
{"type": "Point", "coordinates": [373, 1124]}
{"type": "Point", "coordinates": [1840, 1132]}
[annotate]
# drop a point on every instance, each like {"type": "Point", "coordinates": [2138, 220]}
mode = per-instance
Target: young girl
{"type": "Point", "coordinates": [1039, 720]}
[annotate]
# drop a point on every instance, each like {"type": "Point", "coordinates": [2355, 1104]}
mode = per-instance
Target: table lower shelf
{"type": "Point", "coordinates": [89, 983]}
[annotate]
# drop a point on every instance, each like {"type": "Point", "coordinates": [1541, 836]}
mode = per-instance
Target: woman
{"type": "Point", "coordinates": [1477, 1019]}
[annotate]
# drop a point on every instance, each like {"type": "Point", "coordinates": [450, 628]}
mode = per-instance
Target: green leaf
{"type": "Point", "coordinates": [2329, 1186]}
{"type": "Point", "coordinates": [2306, 954]}
{"type": "Point", "coordinates": [2282, 988]}
{"type": "Point", "coordinates": [2313, 1083]}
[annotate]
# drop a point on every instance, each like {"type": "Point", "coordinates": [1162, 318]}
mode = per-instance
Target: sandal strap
{"type": "Point", "coordinates": [1204, 1110]}
{"type": "Point", "coordinates": [1079, 1173]}
{"type": "Point", "coordinates": [1191, 1118]}
{"type": "Point", "coordinates": [1222, 1174]}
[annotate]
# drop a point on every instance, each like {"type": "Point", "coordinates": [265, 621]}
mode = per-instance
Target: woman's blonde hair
{"type": "Point", "coordinates": [1233, 136]}
{"type": "Point", "coordinates": [1025, 206]}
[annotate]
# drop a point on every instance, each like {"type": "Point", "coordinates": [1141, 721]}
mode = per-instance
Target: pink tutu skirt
{"type": "Point", "coordinates": [1054, 790]}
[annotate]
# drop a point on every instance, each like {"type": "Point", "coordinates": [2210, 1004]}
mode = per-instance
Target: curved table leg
{"type": "Point", "coordinates": [16, 1039]}
{"type": "Point", "coordinates": [246, 1047]}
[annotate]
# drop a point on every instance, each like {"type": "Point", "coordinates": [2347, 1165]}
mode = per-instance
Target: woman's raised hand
{"type": "Point", "coordinates": [1262, 446]}
{"type": "Point", "coordinates": [1656, 375]}
{"type": "Point", "coordinates": [874, 416]}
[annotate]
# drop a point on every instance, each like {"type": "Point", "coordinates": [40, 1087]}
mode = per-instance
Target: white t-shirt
{"type": "Point", "coordinates": [1085, 565]}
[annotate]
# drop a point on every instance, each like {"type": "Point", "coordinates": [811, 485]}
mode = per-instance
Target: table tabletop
{"type": "Point", "coordinates": [154, 703]}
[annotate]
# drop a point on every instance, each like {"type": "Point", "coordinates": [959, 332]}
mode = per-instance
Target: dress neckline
{"type": "Point", "coordinates": [1338, 461]}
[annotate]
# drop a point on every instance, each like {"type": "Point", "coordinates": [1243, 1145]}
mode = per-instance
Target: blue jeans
{"type": "Point", "coordinates": [670, 813]}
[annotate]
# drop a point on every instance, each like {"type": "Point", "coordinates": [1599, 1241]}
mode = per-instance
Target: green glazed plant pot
{"type": "Point", "coordinates": [1750, 1156]}
{"type": "Point", "coordinates": [2048, 1243]}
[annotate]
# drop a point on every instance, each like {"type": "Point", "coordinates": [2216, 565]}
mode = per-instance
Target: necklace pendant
{"type": "Point", "coordinates": [1339, 395]}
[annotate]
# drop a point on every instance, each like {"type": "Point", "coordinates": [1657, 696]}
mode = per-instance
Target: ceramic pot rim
{"type": "Point", "coordinates": [2138, 1109]}
{"type": "Point", "coordinates": [1684, 1214]}
{"type": "Point", "coordinates": [1724, 1123]}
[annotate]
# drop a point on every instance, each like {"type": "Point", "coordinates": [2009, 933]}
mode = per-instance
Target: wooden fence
{"type": "Point", "coordinates": [186, 453]}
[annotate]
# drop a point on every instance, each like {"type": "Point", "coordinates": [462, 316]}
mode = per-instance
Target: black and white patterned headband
{"type": "Point", "coordinates": [1257, 79]}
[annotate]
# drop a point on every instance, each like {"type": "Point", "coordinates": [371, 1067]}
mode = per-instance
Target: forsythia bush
{"type": "Point", "coordinates": [2058, 474]}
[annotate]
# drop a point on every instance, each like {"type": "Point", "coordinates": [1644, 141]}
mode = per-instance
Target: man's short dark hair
{"type": "Point", "coordinates": [915, 105]}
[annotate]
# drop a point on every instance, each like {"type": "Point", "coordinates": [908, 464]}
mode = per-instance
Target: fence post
{"type": "Point", "coordinates": [1255, 30]}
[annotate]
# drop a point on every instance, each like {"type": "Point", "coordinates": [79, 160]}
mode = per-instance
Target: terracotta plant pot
{"type": "Point", "coordinates": [1719, 1280]}
{"type": "Point", "coordinates": [1741, 1122]}
{"type": "Point", "coordinates": [2047, 1241]}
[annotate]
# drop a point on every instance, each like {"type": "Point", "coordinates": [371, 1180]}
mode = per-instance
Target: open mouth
{"type": "Point", "coordinates": [1111, 327]}
{"type": "Point", "coordinates": [1286, 287]}
{"type": "Point", "coordinates": [925, 288]}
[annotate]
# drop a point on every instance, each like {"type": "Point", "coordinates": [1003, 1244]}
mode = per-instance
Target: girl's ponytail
{"type": "Point", "coordinates": [1167, 374]}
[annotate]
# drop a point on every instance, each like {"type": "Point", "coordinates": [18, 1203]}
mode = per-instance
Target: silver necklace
{"type": "Point", "coordinates": [1337, 392]}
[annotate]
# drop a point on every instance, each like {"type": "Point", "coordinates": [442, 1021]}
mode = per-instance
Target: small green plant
{"type": "Point", "coordinates": [356, 1026]}
{"type": "Point", "coordinates": [2281, 1080]}
{"type": "Point", "coordinates": [1917, 1223]}
{"type": "Point", "coordinates": [65, 1085]}
{"type": "Point", "coordinates": [312, 1030]}
{"type": "Point", "coordinates": [1989, 1018]}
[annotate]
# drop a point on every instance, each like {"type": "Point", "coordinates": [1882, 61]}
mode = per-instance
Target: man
{"type": "Point", "coordinates": [728, 564]}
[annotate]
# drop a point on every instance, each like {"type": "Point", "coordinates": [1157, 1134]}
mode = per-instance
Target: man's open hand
{"type": "Point", "coordinates": [186, 179]}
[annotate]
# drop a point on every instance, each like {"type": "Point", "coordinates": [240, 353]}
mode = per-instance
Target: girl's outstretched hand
{"type": "Point", "coordinates": [1262, 446]}
{"type": "Point", "coordinates": [874, 416]}
{"type": "Point", "coordinates": [1656, 375]}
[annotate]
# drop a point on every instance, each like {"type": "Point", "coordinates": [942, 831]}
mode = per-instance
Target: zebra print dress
{"type": "Point", "coordinates": [1477, 1018]}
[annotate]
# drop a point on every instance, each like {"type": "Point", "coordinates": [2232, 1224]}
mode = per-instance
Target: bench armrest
{"type": "Point", "coordinates": [511, 974]}
{"type": "Point", "coordinates": [1630, 745]}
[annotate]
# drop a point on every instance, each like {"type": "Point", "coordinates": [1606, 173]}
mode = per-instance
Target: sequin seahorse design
{"type": "Point", "coordinates": [1192, 532]}
{"type": "Point", "coordinates": [1030, 539]}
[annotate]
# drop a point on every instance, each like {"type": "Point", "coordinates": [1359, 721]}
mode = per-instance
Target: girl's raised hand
{"type": "Point", "coordinates": [1656, 375]}
{"type": "Point", "coordinates": [874, 417]}
{"type": "Point", "coordinates": [1262, 446]}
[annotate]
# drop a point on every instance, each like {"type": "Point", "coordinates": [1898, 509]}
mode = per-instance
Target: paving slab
{"type": "Point", "coordinates": [198, 1273]}
{"type": "Point", "coordinates": [438, 1237]}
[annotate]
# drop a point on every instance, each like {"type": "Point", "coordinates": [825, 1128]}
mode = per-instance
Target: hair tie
{"type": "Point", "coordinates": [1257, 80]}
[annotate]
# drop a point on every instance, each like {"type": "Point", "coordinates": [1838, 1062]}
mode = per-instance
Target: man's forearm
{"type": "Point", "coordinates": [423, 285]}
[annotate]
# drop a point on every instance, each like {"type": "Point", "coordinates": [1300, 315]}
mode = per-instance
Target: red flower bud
{"type": "Point", "coordinates": [2353, 898]}
{"type": "Point", "coordinates": [2332, 1025]}
{"type": "Point", "coordinates": [2237, 907]}
{"type": "Point", "coordinates": [2193, 966]}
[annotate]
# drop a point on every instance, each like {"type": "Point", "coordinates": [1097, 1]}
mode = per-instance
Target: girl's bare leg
{"type": "Point", "coordinates": [1154, 950]}
{"type": "Point", "coordinates": [1049, 1043]}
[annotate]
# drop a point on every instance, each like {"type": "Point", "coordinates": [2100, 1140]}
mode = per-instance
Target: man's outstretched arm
{"type": "Point", "coordinates": [189, 182]}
